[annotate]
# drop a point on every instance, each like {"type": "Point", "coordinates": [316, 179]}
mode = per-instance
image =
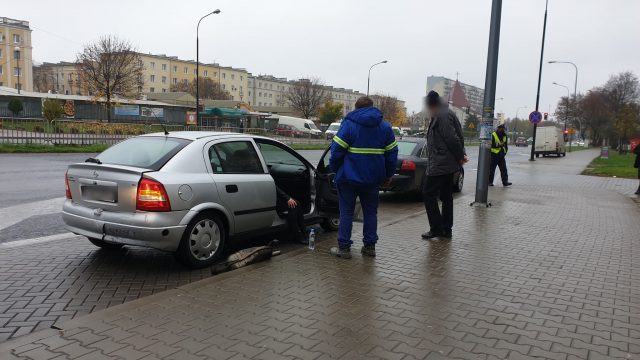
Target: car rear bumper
{"type": "Point", "coordinates": [155, 230]}
{"type": "Point", "coordinates": [402, 183]}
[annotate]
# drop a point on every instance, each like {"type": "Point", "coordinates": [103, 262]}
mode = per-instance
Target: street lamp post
{"type": "Point", "coordinates": [216, 11]}
{"type": "Point", "coordinates": [489, 102]}
{"type": "Point", "coordinates": [16, 55]}
{"type": "Point", "coordinates": [575, 91]}
{"type": "Point", "coordinates": [515, 125]}
{"type": "Point", "coordinates": [566, 115]}
{"type": "Point", "coordinates": [544, 33]}
{"type": "Point", "coordinates": [369, 76]}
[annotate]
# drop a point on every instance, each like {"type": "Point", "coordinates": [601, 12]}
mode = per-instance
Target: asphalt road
{"type": "Point", "coordinates": [33, 187]}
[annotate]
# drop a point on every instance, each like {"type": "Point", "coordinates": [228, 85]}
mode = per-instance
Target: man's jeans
{"type": "Point", "coordinates": [348, 192]}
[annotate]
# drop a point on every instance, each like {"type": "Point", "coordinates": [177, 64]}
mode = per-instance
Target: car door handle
{"type": "Point", "coordinates": [232, 188]}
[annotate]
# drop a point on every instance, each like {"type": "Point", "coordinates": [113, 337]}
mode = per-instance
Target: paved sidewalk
{"type": "Point", "coordinates": [551, 271]}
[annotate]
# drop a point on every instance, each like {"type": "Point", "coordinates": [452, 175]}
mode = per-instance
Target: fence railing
{"type": "Point", "coordinates": [69, 132]}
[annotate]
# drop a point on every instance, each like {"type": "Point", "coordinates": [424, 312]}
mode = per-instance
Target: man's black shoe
{"type": "Point", "coordinates": [506, 184]}
{"type": "Point", "coordinates": [430, 235]}
{"type": "Point", "coordinates": [368, 250]}
{"type": "Point", "coordinates": [446, 234]}
{"type": "Point", "coordinates": [491, 184]}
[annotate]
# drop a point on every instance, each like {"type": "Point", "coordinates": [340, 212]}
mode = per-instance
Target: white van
{"type": "Point", "coordinates": [332, 130]}
{"type": "Point", "coordinates": [304, 126]}
{"type": "Point", "coordinates": [550, 140]}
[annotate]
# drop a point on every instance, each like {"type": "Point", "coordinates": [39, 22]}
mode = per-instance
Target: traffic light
{"type": "Point", "coordinates": [546, 116]}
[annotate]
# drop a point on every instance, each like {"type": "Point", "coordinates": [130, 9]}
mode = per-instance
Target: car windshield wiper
{"type": "Point", "coordinates": [93, 160]}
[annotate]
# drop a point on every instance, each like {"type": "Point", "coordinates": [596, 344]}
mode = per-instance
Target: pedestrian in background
{"type": "Point", "coordinates": [445, 156]}
{"type": "Point", "coordinates": [499, 149]}
{"type": "Point", "coordinates": [363, 156]}
{"type": "Point", "coordinates": [636, 151]}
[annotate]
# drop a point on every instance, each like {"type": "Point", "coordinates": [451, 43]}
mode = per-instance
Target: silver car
{"type": "Point", "coordinates": [192, 192]}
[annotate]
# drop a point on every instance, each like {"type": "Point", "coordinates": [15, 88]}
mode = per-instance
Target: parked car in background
{"type": "Point", "coordinates": [522, 141]}
{"type": "Point", "coordinates": [287, 130]}
{"type": "Point", "coordinates": [305, 127]}
{"type": "Point", "coordinates": [332, 130]}
{"type": "Point", "coordinates": [192, 192]}
{"type": "Point", "coordinates": [550, 141]}
{"type": "Point", "coordinates": [410, 171]}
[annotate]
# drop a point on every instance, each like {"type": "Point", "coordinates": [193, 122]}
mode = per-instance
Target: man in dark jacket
{"type": "Point", "coordinates": [499, 148]}
{"type": "Point", "coordinates": [364, 153]}
{"type": "Point", "coordinates": [445, 155]}
{"type": "Point", "coordinates": [636, 151]}
{"type": "Point", "coordinates": [295, 216]}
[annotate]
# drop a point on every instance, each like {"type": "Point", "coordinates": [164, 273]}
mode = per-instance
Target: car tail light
{"type": "Point", "coordinates": [66, 185]}
{"type": "Point", "coordinates": [408, 165]}
{"type": "Point", "coordinates": [152, 196]}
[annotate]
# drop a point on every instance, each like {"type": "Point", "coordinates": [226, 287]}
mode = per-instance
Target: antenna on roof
{"type": "Point", "coordinates": [165, 129]}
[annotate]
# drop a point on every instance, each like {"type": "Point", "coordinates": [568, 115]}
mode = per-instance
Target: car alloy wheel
{"type": "Point", "coordinates": [205, 239]}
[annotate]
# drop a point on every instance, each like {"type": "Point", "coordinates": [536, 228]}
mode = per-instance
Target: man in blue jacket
{"type": "Point", "coordinates": [364, 153]}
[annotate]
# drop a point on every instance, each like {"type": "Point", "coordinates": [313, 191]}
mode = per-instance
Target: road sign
{"type": "Point", "coordinates": [535, 117]}
{"type": "Point", "coordinates": [471, 126]}
{"type": "Point", "coordinates": [191, 118]}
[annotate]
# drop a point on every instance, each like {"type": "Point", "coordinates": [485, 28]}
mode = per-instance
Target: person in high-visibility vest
{"type": "Point", "coordinates": [499, 149]}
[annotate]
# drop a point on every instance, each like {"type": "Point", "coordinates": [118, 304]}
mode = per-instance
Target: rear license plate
{"type": "Point", "coordinates": [100, 193]}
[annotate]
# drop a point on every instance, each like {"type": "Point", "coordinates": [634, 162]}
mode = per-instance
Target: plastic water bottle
{"type": "Point", "coordinates": [312, 239]}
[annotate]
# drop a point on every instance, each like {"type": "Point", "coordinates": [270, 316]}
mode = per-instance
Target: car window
{"type": "Point", "coordinates": [334, 127]}
{"type": "Point", "coordinates": [148, 152]}
{"type": "Point", "coordinates": [276, 155]}
{"type": "Point", "coordinates": [423, 152]}
{"type": "Point", "coordinates": [306, 126]}
{"type": "Point", "coordinates": [406, 147]}
{"type": "Point", "coordinates": [235, 157]}
{"type": "Point", "coordinates": [311, 126]}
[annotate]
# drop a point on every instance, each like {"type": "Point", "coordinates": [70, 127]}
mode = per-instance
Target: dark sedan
{"type": "Point", "coordinates": [412, 163]}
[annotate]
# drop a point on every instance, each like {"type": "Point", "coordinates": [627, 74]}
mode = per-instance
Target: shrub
{"type": "Point", "coordinates": [15, 106]}
{"type": "Point", "coordinates": [38, 128]}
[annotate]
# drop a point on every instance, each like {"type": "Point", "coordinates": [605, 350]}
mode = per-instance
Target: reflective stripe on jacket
{"type": "Point", "coordinates": [364, 151]}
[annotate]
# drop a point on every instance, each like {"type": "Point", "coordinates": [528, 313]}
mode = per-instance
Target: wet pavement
{"type": "Point", "coordinates": [538, 274]}
{"type": "Point", "coordinates": [547, 272]}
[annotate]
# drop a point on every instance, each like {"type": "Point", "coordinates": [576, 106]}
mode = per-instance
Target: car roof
{"type": "Point", "coordinates": [411, 139]}
{"type": "Point", "coordinates": [194, 135]}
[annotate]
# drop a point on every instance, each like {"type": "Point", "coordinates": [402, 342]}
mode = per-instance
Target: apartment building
{"type": "Point", "coordinates": [15, 54]}
{"type": "Point", "coordinates": [444, 86]}
{"type": "Point", "coordinates": [268, 90]}
{"type": "Point", "coordinates": [162, 71]}
{"type": "Point", "coordinates": [58, 78]}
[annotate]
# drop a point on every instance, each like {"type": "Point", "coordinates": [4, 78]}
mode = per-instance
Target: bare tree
{"type": "Point", "coordinates": [390, 107]}
{"type": "Point", "coordinates": [306, 96]}
{"type": "Point", "coordinates": [43, 80]}
{"type": "Point", "coordinates": [209, 89]}
{"type": "Point", "coordinates": [110, 67]}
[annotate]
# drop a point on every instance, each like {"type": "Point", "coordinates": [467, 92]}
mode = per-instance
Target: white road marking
{"type": "Point", "coordinates": [38, 240]}
{"type": "Point", "coordinates": [14, 214]}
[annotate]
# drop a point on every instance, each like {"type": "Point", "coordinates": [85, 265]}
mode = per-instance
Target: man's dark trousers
{"type": "Point", "coordinates": [442, 186]}
{"type": "Point", "coordinates": [368, 195]}
{"type": "Point", "coordinates": [499, 161]}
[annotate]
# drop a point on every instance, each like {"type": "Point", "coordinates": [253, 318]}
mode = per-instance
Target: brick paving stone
{"type": "Point", "coordinates": [565, 287]}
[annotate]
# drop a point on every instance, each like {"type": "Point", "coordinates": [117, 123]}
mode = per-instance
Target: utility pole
{"type": "Point", "coordinates": [217, 11]}
{"type": "Point", "coordinates": [486, 124]}
{"type": "Point", "coordinates": [544, 33]}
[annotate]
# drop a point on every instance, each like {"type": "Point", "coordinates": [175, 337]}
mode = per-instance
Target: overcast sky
{"type": "Point", "coordinates": [337, 40]}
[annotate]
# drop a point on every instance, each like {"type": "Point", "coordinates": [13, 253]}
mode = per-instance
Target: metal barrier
{"type": "Point", "coordinates": [70, 132]}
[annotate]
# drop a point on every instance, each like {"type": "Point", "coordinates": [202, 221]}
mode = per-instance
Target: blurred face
{"type": "Point", "coordinates": [500, 131]}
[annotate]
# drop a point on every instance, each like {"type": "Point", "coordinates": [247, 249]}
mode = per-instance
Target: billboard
{"type": "Point", "coordinates": [191, 118]}
{"type": "Point", "coordinates": [127, 110]}
{"type": "Point", "coordinates": [157, 113]}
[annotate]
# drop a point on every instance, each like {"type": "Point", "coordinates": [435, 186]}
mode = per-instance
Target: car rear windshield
{"type": "Point", "coordinates": [148, 152]}
{"type": "Point", "coordinates": [406, 147]}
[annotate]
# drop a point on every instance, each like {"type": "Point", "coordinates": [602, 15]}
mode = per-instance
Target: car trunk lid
{"type": "Point", "coordinates": [105, 186]}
